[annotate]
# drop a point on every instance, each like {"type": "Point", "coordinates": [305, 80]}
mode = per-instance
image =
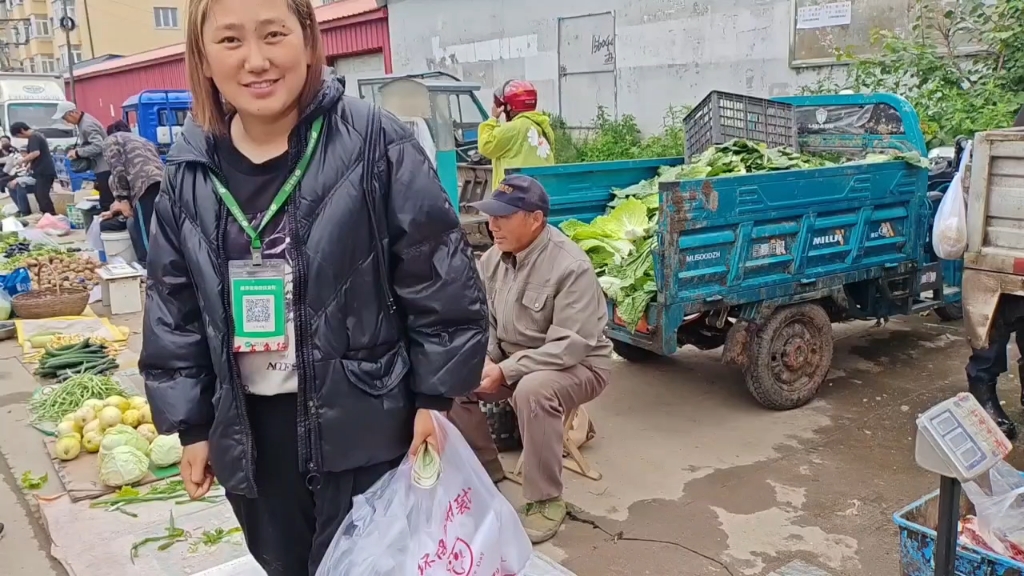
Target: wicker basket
{"type": "Point", "coordinates": [50, 303]}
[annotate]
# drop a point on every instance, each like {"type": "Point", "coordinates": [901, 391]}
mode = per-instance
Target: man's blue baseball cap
{"type": "Point", "coordinates": [516, 193]}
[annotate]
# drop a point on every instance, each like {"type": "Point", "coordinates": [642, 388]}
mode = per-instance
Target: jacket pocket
{"type": "Point", "coordinates": [534, 310]}
{"type": "Point", "coordinates": [374, 373]}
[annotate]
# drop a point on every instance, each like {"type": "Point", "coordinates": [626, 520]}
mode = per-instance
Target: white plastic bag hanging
{"type": "Point", "coordinates": [459, 525]}
{"type": "Point", "coordinates": [949, 231]}
{"type": "Point", "coordinates": [93, 235]}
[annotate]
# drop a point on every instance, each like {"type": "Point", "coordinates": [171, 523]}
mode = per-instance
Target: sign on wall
{"type": "Point", "coordinates": [586, 67]}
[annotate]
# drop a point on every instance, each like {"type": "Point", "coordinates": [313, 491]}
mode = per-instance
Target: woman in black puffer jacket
{"type": "Point", "coordinates": [301, 365]}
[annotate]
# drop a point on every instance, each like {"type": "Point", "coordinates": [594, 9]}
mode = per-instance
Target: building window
{"type": "Point", "coordinates": [40, 27]}
{"type": "Point", "coordinates": [76, 56]}
{"type": "Point", "coordinates": [26, 31]}
{"type": "Point", "coordinates": [165, 17]}
{"type": "Point", "coordinates": [58, 10]}
{"type": "Point", "coordinates": [44, 64]}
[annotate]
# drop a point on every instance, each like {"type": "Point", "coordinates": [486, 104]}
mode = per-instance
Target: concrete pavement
{"type": "Point", "coordinates": [698, 479]}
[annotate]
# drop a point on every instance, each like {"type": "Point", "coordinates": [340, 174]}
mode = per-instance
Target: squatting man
{"type": "Point", "coordinates": [547, 352]}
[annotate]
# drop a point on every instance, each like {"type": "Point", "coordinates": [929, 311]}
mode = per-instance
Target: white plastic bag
{"type": "Point", "coordinates": [460, 526]}
{"type": "Point", "coordinates": [999, 506]}
{"type": "Point", "coordinates": [949, 231]}
{"type": "Point", "coordinates": [93, 235]}
{"type": "Point", "coordinates": [11, 224]}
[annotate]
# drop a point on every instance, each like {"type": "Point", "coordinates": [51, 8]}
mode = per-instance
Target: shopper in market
{"type": "Point", "coordinates": [516, 135]}
{"type": "Point", "coordinates": [986, 365]}
{"type": "Point", "coordinates": [40, 162]}
{"type": "Point", "coordinates": [91, 134]}
{"type": "Point", "coordinates": [307, 311]}
{"type": "Point", "coordinates": [547, 351]}
{"type": "Point", "coordinates": [135, 175]}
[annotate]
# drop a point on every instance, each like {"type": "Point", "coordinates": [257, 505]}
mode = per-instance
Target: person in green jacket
{"type": "Point", "coordinates": [524, 139]}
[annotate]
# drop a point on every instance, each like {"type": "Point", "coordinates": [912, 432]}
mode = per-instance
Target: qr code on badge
{"type": "Point", "coordinates": [259, 313]}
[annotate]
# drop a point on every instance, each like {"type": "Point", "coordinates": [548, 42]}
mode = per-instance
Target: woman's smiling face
{"type": "Point", "coordinates": [256, 55]}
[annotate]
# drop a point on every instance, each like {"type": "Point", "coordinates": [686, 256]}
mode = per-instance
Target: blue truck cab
{"type": "Point", "coordinates": [763, 264]}
{"type": "Point", "coordinates": [157, 115]}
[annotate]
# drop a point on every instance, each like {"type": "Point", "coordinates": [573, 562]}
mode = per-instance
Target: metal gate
{"type": "Point", "coordinates": [586, 67]}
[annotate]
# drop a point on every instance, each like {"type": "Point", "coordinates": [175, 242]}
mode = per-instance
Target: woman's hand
{"type": "Point", "coordinates": [195, 469]}
{"type": "Point", "coordinates": [423, 430]}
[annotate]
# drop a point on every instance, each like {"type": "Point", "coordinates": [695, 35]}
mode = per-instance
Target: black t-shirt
{"type": "Point", "coordinates": [43, 164]}
{"type": "Point", "coordinates": [254, 187]}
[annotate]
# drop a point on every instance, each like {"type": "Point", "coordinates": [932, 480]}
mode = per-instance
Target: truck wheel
{"type": "Point", "coordinates": [503, 424]}
{"type": "Point", "coordinates": [950, 312]}
{"type": "Point", "coordinates": [632, 353]}
{"type": "Point", "coordinates": [791, 356]}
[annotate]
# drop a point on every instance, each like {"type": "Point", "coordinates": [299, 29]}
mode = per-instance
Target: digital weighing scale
{"type": "Point", "coordinates": [960, 442]}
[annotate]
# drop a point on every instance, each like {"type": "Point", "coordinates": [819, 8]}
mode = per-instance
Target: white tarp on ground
{"type": "Point", "coordinates": [96, 542]}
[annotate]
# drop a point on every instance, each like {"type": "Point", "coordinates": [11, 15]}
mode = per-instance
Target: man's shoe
{"type": "Point", "coordinates": [989, 400]}
{"type": "Point", "coordinates": [495, 470]}
{"type": "Point", "coordinates": [542, 519]}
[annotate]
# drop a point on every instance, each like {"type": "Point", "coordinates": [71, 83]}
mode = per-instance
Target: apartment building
{"type": "Point", "coordinates": [31, 39]}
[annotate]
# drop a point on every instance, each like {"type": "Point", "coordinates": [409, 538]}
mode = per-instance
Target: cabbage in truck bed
{"type": "Point", "coordinates": [620, 243]}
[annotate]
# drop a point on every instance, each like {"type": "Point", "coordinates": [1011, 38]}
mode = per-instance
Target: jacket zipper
{"type": "Point", "coordinates": [310, 451]}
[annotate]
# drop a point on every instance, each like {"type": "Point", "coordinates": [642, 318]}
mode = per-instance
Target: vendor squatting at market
{"type": "Point", "coordinates": [986, 365]}
{"type": "Point", "coordinates": [547, 350]}
{"type": "Point", "coordinates": [369, 315]}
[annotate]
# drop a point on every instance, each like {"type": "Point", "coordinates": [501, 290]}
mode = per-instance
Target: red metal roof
{"type": "Point", "coordinates": [345, 9]}
{"type": "Point", "coordinates": [348, 28]}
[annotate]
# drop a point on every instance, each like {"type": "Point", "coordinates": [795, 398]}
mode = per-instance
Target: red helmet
{"type": "Point", "coordinates": [517, 95]}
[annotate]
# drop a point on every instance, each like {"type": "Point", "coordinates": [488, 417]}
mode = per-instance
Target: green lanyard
{"type": "Point", "coordinates": [279, 200]}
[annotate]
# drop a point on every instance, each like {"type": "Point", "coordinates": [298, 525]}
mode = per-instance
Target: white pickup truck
{"type": "Point", "coordinates": [994, 261]}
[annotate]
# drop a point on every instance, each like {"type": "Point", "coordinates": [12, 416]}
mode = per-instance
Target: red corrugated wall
{"type": "Point", "coordinates": [103, 94]}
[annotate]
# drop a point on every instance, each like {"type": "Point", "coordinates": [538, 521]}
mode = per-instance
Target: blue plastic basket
{"type": "Point", "coordinates": [917, 548]}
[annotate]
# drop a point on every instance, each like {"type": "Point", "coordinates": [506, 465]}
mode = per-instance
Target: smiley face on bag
{"type": "Point", "coordinates": [460, 559]}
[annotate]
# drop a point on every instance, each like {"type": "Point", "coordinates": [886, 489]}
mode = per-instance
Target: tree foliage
{"type": "Point", "coordinates": [961, 64]}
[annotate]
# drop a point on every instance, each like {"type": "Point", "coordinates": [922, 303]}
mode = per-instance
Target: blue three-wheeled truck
{"type": "Point", "coordinates": [763, 264]}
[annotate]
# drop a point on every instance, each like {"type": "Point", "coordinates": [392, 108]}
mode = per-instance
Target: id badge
{"type": "Point", "coordinates": [258, 305]}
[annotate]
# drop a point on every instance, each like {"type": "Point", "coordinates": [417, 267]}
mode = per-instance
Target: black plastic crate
{"type": "Point", "coordinates": [722, 116]}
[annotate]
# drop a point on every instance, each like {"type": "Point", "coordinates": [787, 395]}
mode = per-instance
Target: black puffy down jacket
{"type": "Point", "coordinates": [363, 370]}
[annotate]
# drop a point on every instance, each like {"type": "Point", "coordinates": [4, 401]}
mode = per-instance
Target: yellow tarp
{"type": "Point", "coordinates": [88, 326]}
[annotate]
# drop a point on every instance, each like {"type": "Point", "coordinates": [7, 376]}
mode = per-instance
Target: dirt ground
{"type": "Point", "coordinates": [698, 479]}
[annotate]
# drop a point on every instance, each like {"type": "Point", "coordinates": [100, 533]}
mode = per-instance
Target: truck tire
{"type": "Point", "coordinates": [503, 424]}
{"type": "Point", "coordinates": [950, 312]}
{"type": "Point", "coordinates": [631, 353]}
{"type": "Point", "coordinates": [790, 357]}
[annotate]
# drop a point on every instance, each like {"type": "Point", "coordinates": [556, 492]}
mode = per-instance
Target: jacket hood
{"type": "Point", "coordinates": [541, 120]}
{"type": "Point", "coordinates": [195, 144]}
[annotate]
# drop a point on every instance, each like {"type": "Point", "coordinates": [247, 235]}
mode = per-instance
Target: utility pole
{"type": "Point", "coordinates": [67, 24]}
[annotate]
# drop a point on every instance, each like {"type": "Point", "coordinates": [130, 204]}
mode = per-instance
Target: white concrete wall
{"type": "Point", "coordinates": [355, 67]}
{"type": "Point", "coordinates": [660, 52]}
